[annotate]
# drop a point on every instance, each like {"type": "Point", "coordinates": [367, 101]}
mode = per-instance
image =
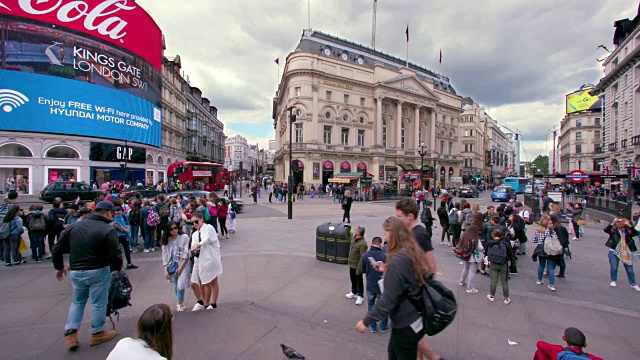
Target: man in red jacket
{"type": "Point", "coordinates": [576, 341]}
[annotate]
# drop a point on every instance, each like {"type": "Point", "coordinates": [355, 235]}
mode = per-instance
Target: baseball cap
{"type": "Point", "coordinates": [105, 205]}
{"type": "Point", "coordinates": [74, 207]}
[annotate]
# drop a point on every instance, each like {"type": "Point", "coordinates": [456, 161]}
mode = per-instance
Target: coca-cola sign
{"type": "Point", "coordinates": [121, 22]}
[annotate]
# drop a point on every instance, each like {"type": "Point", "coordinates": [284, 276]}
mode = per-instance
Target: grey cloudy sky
{"type": "Point", "coordinates": [517, 58]}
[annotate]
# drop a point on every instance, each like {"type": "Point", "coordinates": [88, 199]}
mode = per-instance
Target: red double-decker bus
{"type": "Point", "coordinates": [198, 175]}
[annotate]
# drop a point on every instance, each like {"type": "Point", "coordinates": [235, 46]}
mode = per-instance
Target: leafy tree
{"type": "Point", "coordinates": [542, 163]}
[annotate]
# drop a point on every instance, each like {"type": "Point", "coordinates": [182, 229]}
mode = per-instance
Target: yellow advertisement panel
{"type": "Point", "coordinates": [580, 101]}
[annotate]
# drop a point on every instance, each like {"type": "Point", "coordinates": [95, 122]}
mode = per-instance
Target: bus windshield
{"type": "Point", "coordinates": [518, 184]}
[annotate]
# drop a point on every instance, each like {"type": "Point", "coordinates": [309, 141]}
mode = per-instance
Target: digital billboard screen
{"type": "Point", "coordinates": [581, 101]}
{"type": "Point", "coordinates": [32, 47]}
{"type": "Point", "coordinates": [120, 22]}
{"type": "Point", "coordinates": [47, 104]}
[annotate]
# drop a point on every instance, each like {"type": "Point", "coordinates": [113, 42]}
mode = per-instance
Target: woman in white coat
{"type": "Point", "coordinates": [207, 265]}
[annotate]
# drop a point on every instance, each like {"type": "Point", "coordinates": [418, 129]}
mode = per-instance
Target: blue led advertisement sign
{"type": "Point", "coordinates": [47, 104]}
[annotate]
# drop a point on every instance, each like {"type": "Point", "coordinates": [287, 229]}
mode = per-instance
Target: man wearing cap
{"type": "Point", "coordinates": [94, 251]}
{"type": "Point", "coordinates": [72, 215]}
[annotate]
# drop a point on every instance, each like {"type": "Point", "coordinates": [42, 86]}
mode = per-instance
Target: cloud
{"type": "Point", "coordinates": [516, 57]}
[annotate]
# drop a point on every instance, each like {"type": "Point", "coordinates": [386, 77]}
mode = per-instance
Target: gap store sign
{"type": "Point", "coordinates": [47, 104]}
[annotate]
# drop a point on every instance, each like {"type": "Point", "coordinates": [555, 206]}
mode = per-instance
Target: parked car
{"type": "Point", "coordinates": [68, 191]}
{"type": "Point", "coordinates": [503, 193]}
{"type": "Point", "coordinates": [468, 191]}
{"type": "Point", "coordinates": [148, 192]}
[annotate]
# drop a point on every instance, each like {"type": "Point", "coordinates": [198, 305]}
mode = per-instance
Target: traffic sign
{"type": "Point", "coordinates": [577, 176]}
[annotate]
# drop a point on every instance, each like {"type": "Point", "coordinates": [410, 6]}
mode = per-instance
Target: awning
{"type": "Point", "coordinates": [340, 181]}
{"type": "Point", "coordinates": [408, 167]}
{"type": "Point", "coordinates": [615, 183]}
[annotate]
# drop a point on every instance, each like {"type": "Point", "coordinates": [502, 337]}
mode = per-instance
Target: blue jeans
{"type": "Point", "coordinates": [550, 264]}
{"type": "Point", "coordinates": [614, 262]}
{"type": "Point", "coordinates": [179, 293]}
{"type": "Point", "coordinates": [37, 247]}
{"type": "Point", "coordinates": [371, 300]}
{"type": "Point", "coordinates": [133, 242]}
{"type": "Point", "coordinates": [149, 237]}
{"type": "Point", "coordinates": [94, 284]}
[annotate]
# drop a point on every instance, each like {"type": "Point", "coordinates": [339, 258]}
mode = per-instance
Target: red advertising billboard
{"type": "Point", "coordinates": [120, 22]}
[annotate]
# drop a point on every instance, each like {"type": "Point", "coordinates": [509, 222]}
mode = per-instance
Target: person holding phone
{"type": "Point", "coordinates": [621, 246]}
{"type": "Point", "coordinates": [207, 263]}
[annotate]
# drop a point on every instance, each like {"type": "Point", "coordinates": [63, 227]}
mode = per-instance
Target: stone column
{"type": "Point", "coordinates": [433, 131]}
{"type": "Point", "coordinates": [399, 125]}
{"type": "Point", "coordinates": [314, 133]}
{"type": "Point", "coordinates": [378, 140]}
{"type": "Point", "coordinates": [416, 121]}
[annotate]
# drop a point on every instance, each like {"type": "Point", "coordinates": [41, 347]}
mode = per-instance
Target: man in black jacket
{"type": "Point", "coordinates": [444, 222]}
{"type": "Point", "coordinates": [94, 251]}
{"type": "Point", "coordinates": [563, 236]}
{"type": "Point", "coordinates": [427, 219]}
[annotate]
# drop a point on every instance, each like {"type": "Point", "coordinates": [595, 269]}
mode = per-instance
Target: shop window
{"type": "Point", "coordinates": [62, 152]}
{"type": "Point", "coordinates": [16, 150]}
{"type": "Point", "coordinates": [18, 177]}
{"type": "Point", "coordinates": [54, 175]}
{"type": "Point", "coordinates": [384, 133]}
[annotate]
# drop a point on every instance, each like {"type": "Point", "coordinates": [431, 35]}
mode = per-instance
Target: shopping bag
{"type": "Point", "coordinates": [23, 246]}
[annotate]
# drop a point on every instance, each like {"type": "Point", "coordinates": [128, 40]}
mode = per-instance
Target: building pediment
{"type": "Point", "coordinates": [412, 85]}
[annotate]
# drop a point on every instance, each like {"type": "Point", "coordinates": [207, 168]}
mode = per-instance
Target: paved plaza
{"type": "Point", "coordinates": [274, 291]}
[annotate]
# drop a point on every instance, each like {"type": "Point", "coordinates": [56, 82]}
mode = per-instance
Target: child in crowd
{"type": "Point", "coordinates": [576, 342]}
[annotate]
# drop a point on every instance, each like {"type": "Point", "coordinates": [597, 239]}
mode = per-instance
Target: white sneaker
{"type": "Point", "coordinates": [153, 249]}
{"type": "Point", "coordinates": [461, 262]}
{"type": "Point", "coordinates": [197, 307]}
{"type": "Point", "coordinates": [613, 284]}
{"type": "Point", "coordinates": [635, 287]}
{"type": "Point", "coordinates": [552, 288]}
{"type": "Point", "coordinates": [491, 298]}
{"type": "Point", "coordinates": [350, 295]}
{"type": "Point", "coordinates": [472, 291]}
{"type": "Point", "coordinates": [146, 250]}
{"type": "Point", "coordinates": [461, 283]}
{"type": "Point", "coordinates": [539, 282]}
{"type": "Point", "coordinates": [507, 301]}
{"type": "Point", "coordinates": [359, 300]}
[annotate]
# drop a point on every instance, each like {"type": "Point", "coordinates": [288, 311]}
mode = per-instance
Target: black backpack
{"type": "Point", "coordinates": [497, 253]}
{"type": "Point", "coordinates": [119, 294]}
{"type": "Point", "coordinates": [438, 306]}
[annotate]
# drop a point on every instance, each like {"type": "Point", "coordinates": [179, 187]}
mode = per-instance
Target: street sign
{"type": "Point", "coordinates": [577, 176]}
{"type": "Point", "coordinates": [636, 173]}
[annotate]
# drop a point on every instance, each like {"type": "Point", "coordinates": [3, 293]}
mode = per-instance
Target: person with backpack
{"type": "Point", "coordinates": [455, 227]}
{"type": "Point", "coordinates": [469, 250]}
{"type": "Point", "coordinates": [444, 222]}
{"type": "Point", "coordinates": [427, 219]}
{"type": "Point", "coordinates": [37, 225]}
{"type": "Point", "coordinates": [135, 221]}
{"type": "Point", "coordinates": [10, 201]}
{"type": "Point", "coordinates": [549, 250]}
{"type": "Point", "coordinates": [175, 212]}
{"type": "Point", "coordinates": [233, 210]}
{"type": "Point", "coordinates": [94, 251]}
{"type": "Point", "coordinates": [154, 337]}
{"type": "Point", "coordinates": [576, 342]}
{"type": "Point", "coordinates": [55, 222]}
{"type": "Point", "coordinates": [121, 223]}
{"type": "Point", "coordinates": [150, 220]}
{"type": "Point", "coordinates": [498, 256]}
{"type": "Point", "coordinates": [10, 231]}
{"type": "Point", "coordinates": [212, 210]}
{"type": "Point", "coordinates": [163, 208]}
{"type": "Point", "coordinates": [405, 275]}
{"type": "Point", "coordinates": [563, 236]}
{"type": "Point", "coordinates": [621, 246]}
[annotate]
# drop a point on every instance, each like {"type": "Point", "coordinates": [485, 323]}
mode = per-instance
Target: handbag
{"type": "Point", "coordinates": [173, 265]}
{"type": "Point", "coordinates": [552, 246]}
{"type": "Point", "coordinates": [581, 222]}
{"type": "Point", "coordinates": [23, 245]}
{"type": "Point", "coordinates": [438, 306]}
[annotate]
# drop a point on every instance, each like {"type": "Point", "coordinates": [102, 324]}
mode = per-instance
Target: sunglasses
{"type": "Point", "coordinates": [196, 222]}
{"type": "Point", "coordinates": [173, 228]}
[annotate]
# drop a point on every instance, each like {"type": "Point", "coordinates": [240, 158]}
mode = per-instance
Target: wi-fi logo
{"type": "Point", "coordinates": [11, 99]}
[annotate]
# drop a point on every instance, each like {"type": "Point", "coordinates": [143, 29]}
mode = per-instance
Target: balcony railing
{"type": "Point", "coordinates": [613, 147]}
{"type": "Point", "coordinates": [623, 144]}
{"type": "Point", "coordinates": [635, 141]}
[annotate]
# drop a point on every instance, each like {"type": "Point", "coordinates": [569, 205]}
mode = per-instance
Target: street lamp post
{"type": "Point", "coordinates": [292, 119]}
{"type": "Point", "coordinates": [422, 153]}
{"type": "Point", "coordinates": [629, 165]}
{"type": "Point", "coordinates": [579, 162]}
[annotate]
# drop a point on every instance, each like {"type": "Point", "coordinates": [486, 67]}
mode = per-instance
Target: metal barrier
{"type": "Point", "coordinates": [602, 204]}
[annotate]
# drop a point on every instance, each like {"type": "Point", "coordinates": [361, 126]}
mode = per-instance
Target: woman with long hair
{"type": "Point", "coordinates": [207, 263]}
{"type": "Point", "coordinates": [135, 222]}
{"type": "Point", "coordinates": [154, 337]}
{"type": "Point", "coordinates": [175, 260]}
{"type": "Point", "coordinates": [223, 210]}
{"type": "Point", "coordinates": [13, 222]}
{"type": "Point", "coordinates": [406, 269]}
{"type": "Point", "coordinates": [469, 241]}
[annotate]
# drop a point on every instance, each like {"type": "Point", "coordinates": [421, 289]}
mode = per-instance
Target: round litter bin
{"type": "Point", "coordinates": [332, 242]}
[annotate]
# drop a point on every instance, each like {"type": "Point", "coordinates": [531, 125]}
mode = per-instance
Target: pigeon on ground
{"type": "Point", "coordinates": [291, 353]}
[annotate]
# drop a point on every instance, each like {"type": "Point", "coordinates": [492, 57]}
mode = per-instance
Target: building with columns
{"type": "Point", "coordinates": [472, 132]}
{"type": "Point", "coordinates": [363, 111]}
{"type": "Point", "coordinates": [619, 90]}
{"type": "Point", "coordinates": [580, 140]}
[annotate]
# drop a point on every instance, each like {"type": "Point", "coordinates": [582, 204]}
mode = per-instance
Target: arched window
{"type": "Point", "coordinates": [160, 160]}
{"type": "Point", "coordinates": [149, 159]}
{"type": "Point", "coordinates": [16, 150]}
{"type": "Point", "coordinates": [169, 161]}
{"type": "Point", "coordinates": [62, 152]}
{"type": "Point", "coordinates": [384, 133]}
{"type": "Point", "coordinates": [402, 136]}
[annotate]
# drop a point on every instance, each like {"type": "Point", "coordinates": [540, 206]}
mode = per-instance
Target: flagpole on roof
{"type": "Point", "coordinates": [407, 32]}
